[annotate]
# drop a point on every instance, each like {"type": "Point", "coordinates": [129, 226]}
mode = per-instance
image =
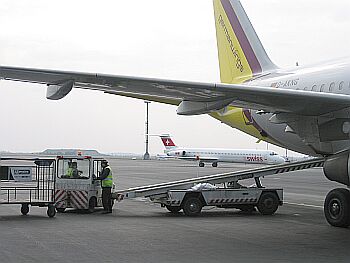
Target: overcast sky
{"type": "Point", "coordinates": [156, 38]}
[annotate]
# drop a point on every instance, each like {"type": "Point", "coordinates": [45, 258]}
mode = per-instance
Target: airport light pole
{"type": "Point", "coordinates": [146, 155]}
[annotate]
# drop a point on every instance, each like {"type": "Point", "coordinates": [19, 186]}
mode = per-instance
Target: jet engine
{"type": "Point", "coordinates": [337, 168]}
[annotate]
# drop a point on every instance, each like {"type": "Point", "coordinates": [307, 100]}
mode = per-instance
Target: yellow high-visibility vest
{"type": "Point", "coordinates": [70, 172]}
{"type": "Point", "coordinates": [108, 181]}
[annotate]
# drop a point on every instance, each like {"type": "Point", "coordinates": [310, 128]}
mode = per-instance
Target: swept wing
{"type": "Point", "coordinates": [192, 97]}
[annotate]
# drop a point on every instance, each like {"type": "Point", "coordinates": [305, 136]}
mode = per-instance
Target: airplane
{"type": "Point", "coordinates": [213, 156]}
{"type": "Point", "coordinates": [304, 109]}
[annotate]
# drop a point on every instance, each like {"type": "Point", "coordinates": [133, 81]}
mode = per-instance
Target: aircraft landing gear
{"type": "Point", "coordinates": [201, 164]}
{"type": "Point", "coordinates": [337, 207]}
{"type": "Point", "coordinates": [214, 164]}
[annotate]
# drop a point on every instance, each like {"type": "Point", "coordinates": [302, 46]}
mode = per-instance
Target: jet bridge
{"type": "Point", "coordinates": [180, 194]}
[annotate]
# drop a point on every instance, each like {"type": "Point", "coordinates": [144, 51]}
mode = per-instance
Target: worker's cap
{"type": "Point", "coordinates": [104, 162]}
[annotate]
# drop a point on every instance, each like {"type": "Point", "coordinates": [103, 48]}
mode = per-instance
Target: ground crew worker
{"type": "Point", "coordinates": [107, 183]}
{"type": "Point", "coordinates": [75, 173]}
{"type": "Point", "coordinates": [69, 173]}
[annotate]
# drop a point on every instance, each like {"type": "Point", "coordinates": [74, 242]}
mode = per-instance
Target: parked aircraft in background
{"type": "Point", "coordinates": [214, 156]}
{"type": "Point", "coordinates": [305, 109]}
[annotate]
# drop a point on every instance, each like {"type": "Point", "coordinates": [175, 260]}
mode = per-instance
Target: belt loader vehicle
{"type": "Point", "coordinates": [189, 196]}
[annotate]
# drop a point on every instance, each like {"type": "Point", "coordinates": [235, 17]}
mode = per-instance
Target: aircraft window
{"type": "Point", "coordinates": [341, 85]}
{"type": "Point", "coordinates": [331, 87]}
{"type": "Point", "coordinates": [314, 87]}
{"type": "Point", "coordinates": [322, 87]}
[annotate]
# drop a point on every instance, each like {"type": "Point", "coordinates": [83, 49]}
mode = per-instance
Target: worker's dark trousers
{"type": "Point", "coordinates": [107, 198]}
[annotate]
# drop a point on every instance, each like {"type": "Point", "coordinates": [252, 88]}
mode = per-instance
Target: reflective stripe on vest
{"type": "Point", "coordinates": [69, 172]}
{"type": "Point", "coordinates": [108, 181]}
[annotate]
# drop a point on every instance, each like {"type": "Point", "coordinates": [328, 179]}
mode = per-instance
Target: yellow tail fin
{"type": "Point", "coordinates": [241, 54]}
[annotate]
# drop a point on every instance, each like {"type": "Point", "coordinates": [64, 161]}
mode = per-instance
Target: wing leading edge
{"type": "Point", "coordinates": [192, 97]}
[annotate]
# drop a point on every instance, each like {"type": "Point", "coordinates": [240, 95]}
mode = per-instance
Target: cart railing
{"type": "Point", "coordinates": [39, 186]}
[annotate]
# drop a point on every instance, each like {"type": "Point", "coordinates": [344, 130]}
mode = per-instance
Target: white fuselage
{"type": "Point", "coordinates": [328, 78]}
{"type": "Point", "coordinates": [226, 155]}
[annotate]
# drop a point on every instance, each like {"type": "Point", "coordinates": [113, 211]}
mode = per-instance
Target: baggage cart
{"type": "Point", "coordinates": [28, 182]}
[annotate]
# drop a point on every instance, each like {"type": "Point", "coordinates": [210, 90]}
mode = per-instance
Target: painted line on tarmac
{"type": "Point", "coordinates": [306, 205]}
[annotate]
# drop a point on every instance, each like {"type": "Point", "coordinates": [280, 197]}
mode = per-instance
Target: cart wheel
{"type": "Point", "coordinates": [25, 209]}
{"type": "Point", "coordinates": [60, 209]}
{"type": "Point", "coordinates": [192, 206]}
{"type": "Point", "coordinates": [51, 211]}
{"type": "Point", "coordinates": [92, 204]}
{"type": "Point", "coordinates": [268, 203]}
{"type": "Point", "coordinates": [173, 209]}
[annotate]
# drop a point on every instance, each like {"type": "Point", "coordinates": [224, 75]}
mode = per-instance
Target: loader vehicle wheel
{"type": "Point", "coordinates": [192, 206]}
{"type": "Point", "coordinates": [25, 209]}
{"type": "Point", "coordinates": [214, 164]}
{"type": "Point", "coordinates": [268, 203]}
{"type": "Point", "coordinates": [201, 164]}
{"type": "Point", "coordinates": [60, 209]}
{"type": "Point", "coordinates": [173, 209]}
{"type": "Point", "coordinates": [92, 204]}
{"type": "Point", "coordinates": [51, 211]}
{"type": "Point", "coordinates": [337, 207]}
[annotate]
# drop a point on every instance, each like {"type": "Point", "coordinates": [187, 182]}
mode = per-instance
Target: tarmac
{"type": "Point", "coordinates": [141, 231]}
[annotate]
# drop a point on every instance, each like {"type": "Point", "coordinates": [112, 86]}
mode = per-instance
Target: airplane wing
{"type": "Point", "coordinates": [191, 97]}
{"type": "Point", "coordinates": [204, 159]}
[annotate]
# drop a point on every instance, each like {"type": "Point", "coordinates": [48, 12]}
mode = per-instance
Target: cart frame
{"type": "Point", "coordinates": [37, 190]}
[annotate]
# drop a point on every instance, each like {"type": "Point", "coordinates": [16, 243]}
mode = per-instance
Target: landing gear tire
{"type": "Point", "coordinates": [201, 164]}
{"type": "Point", "coordinates": [173, 209]}
{"type": "Point", "coordinates": [25, 209]}
{"type": "Point", "coordinates": [215, 164]}
{"type": "Point", "coordinates": [51, 211]}
{"type": "Point", "coordinates": [92, 205]}
{"type": "Point", "coordinates": [337, 207]}
{"type": "Point", "coordinates": [268, 203]}
{"type": "Point", "coordinates": [192, 206]}
{"type": "Point", "coordinates": [60, 209]}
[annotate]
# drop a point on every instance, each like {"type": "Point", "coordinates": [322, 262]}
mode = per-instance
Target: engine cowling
{"type": "Point", "coordinates": [337, 168]}
{"type": "Point", "coordinates": [59, 91]}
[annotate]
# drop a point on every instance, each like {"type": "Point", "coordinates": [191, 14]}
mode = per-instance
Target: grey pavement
{"type": "Point", "coordinates": [140, 231]}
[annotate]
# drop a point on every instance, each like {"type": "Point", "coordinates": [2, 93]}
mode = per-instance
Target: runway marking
{"type": "Point", "coordinates": [307, 205]}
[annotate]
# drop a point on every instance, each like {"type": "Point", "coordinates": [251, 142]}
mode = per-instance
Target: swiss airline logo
{"type": "Point", "coordinates": [168, 142]}
{"type": "Point", "coordinates": [254, 159]}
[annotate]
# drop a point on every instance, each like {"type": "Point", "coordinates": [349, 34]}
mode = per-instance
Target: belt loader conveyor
{"type": "Point", "coordinates": [177, 195]}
